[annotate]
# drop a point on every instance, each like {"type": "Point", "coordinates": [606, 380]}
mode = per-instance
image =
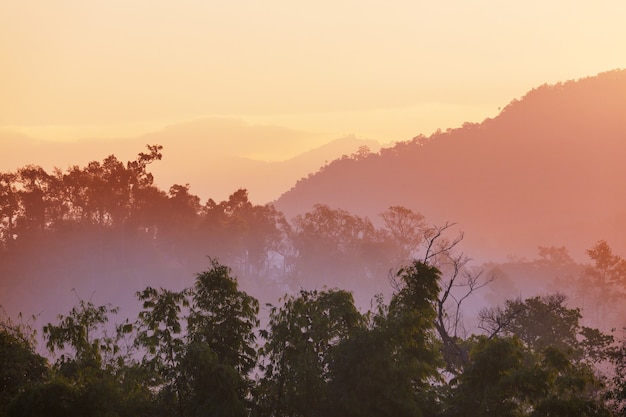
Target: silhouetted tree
{"type": "Point", "coordinates": [334, 246]}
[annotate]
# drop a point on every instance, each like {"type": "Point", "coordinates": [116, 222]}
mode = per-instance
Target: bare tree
{"type": "Point", "coordinates": [459, 282]}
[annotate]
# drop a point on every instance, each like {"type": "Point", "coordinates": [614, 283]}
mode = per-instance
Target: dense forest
{"type": "Point", "coordinates": [177, 308]}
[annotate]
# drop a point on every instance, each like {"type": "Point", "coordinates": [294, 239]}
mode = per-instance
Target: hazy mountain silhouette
{"type": "Point", "coordinates": [548, 170]}
{"type": "Point", "coordinates": [218, 175]}
{"type": "Point", "coordinates": [215, 156]}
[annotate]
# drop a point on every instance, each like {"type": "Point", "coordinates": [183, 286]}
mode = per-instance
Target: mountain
{"type": "Point", "coordinates": [216, 156]}
{"type": "Point", "coordinates": [218, 175]}
{"type": "Point", "coordinates": [548, 170]}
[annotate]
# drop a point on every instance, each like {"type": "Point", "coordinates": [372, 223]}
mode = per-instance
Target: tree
{"type": "Point", "coordinates": [220, 327]}
{"type": "Point", "coordinates": [224, 317]}
{"type": "Point", "coordinates": [200, 344]}
{"type": "Point", "coordinates": [616, 393]}
{"type": "Point", "coordinates": [20, 365]}
{"type": "Point", "coordinates": [333, 246]}
{"type": "Point", "coordinates": [546, 322]}
{"type": "Point", "coordinates": [159, 331]}
{"type": "Point", "coordinates": [35, 198]}
{"type": "Point", "coordinates": [392, 366]}
{"type": "Point", "coordinates": [215, 388]}
{"type": "Point", "coordinates": [242, 234]}
{"type": "Point", "coordinates": [406, 228]}
{"type": "Point", "coordinates": [296, 354]}
{"type": "Point", "coordinates": [368, 379]}
{"type": "Point", "coordinates": [604, 284]}
{"type": "Point", "coordinates": [412, 326]}
{"type": "Point", "coordinates": [57, 398]}
{"type": "Point", "coordinates": [9, 207]}
{"type": "Point", "coordinates": [487, 386]}
{"type": "Point", "coordinates": [504, 378]}
{"type": "Point", "coordinates": [456, 283]}
{"type": "Point", "coordinates": [91, 373]}
{"type": "Point", "coordinates": [83, 332]}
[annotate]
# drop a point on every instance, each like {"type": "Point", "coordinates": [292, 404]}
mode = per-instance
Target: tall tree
{"type": "Point", "coordinates": [546, 322]}
{"type": "Point", "coordinates": [9, 207]}
{"type": "Point", "coordinates": [160, 332]}
{"type": "Point", "coordinates": [221, 325]}
{"type": "Point", "coordinates": [242, 234]}
{"type": "Point", "coordinates": [407, 230]}
{"type": "Point", "coordinates": [604, 285]}
{"type": "Point", "coordinates": [296, 354]}
{"type": "Point", "coordinates": [412, 321]}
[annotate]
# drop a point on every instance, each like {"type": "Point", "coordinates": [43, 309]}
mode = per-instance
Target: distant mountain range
{"type": "Point", "coordinates": [217, 176]}
{"type": "Point", "coordinates": [216, 156]}
{"type": "Point", "coordinates": [549, 170]}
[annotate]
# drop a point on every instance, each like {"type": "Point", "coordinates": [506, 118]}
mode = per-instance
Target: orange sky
{"type": "Point", "coordinates": [74, 69]}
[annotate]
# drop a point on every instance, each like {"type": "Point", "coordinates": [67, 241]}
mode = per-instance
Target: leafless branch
{"type": "Point", "coordinates": [435, 245]}
{"type": "Point", "coordinates": [495, 320]}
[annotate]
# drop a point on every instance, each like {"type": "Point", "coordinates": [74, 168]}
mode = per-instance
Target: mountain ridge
{"type": "Point", "coordinates": [551, 160]}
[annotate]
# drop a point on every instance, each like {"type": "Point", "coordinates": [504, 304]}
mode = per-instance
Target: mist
{"type": "Point", "coordinates": [108, 276]}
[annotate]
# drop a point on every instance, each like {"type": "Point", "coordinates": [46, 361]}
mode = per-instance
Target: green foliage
{"type": "Point", "coordinates": [20, 366]}
{"type": "Point", "coordinates": [159, 329]}
{"type": "Point", "coordinates": [204, 371]}
{"type": "Point", "coordinates": [99, 393]}
{"type": "Point", "coordinates": [83, 331]}
{"type": "Point", "coordinates": [546, 322]}
{"type": "Point", "coordinates": [57, 398]}
{"type": "Point", "coordinates": [215, 388]}
{"type": "Point", "coordinates": [541, 322]}
{"type": "Point", "coordinates": [224, 318]}
{"type": "Point", "coordinates": [299, 339]}
{"type": "Point", "coordinates": [91, 374]}
{"type": "Point", "coordinates": [488, 385]}
{"type": "Point", "coordinates": [411, 320]}
{"type": "Point", "coordinates": [616, 395]}
{"type": "Point", "coordinates": [506, 378]}
{"type": "Point", "coordinates": [221, 326]}
{"type": "Point", "coordinates": [368, 380]}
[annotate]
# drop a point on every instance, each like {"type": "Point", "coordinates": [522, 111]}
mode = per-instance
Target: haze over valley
{"type": "Point", "coordinates": [284, 209]}
{"type": "Point", "coordinates": [542, 173]}
{"type": "Point", "coordinates": [374, 244]}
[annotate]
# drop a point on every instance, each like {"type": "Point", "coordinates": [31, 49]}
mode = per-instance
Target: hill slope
{"type": "Point", "coordinates": [548, 170]}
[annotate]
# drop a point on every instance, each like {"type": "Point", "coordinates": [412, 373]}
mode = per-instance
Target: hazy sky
{"type": "Point", "coordinates": [382, 70]}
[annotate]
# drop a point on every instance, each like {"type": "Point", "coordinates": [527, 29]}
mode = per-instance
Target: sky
{"type": "Point", "coordinates": [83, 69]}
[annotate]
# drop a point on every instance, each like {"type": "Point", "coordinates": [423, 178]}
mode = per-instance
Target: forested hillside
{"type": "Point", "coordinates": [547, 170]}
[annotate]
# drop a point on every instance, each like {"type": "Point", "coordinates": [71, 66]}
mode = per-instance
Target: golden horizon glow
{"type": "Point", "coordinates": [76, 69]}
